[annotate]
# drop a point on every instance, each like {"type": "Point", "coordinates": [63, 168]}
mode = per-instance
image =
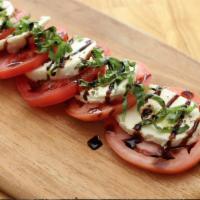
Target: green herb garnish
{"type": "Point", "coordinates": [172, 115]}
{"type": "Point", "coordinates": [117, 71]}
{"type": "Point", "coordinates": [50, 41]}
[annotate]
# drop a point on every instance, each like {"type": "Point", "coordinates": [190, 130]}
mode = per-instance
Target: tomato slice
{"type": "Point", "coordinates": [97, 111]}
{"type": "Point", "coordinates": [6, 32]}
{"type": "Point", "coordinates": [94, 111]}
{"type": "Point", "coordinates": [46, 93]}
{"type": "Point", "coordinates": [144, 156]}
{"type": "Point", "coordinates": [12, 65]}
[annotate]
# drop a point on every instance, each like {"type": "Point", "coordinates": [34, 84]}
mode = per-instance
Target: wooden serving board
{"type": "Point", "coordinates": [44, 152]}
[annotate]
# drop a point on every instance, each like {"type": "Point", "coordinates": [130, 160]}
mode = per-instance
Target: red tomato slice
{"type": "Point", "coordinates": [141, 156]}
{"type": "Point", "coordinates": [12, 65]}
{"type": "Point", "coordinates": [96, 111]}
{"type": "Point", "coordinates": [46, 93]}
{"type": "Point", "coordinates": [6, 32]}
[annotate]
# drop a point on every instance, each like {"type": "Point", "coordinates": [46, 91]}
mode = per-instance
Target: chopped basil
{"type": "Point", "coordinates": [172, 115]}
{"type": "Point", "coordinates": [182, 129]}
{"type": "Point", "coordinates": [50, 41]}
{"type": "Point", "coordinates": [24, 25]}
{"type": "Point", "coordinates": [5, 22]}
{"type": "Point", "coordinates": [1, 6]}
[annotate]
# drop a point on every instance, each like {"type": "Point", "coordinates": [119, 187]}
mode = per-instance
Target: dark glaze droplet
{"type": "Point", "coordinates": [187, 94]}
{"type": "Point", "coordinates": [158, 91]}
{"type": "Point", "coordinates": [146, 112]}
{"type": "Point", "coordinates": [71, 40]}
{"type": "Point", "coordinates": [95, 143]}
{"type": "Point", "coordinates": [166, 154]}
{"type": "Point", "coordinates": [34, 86]}
{"type": "Point", "coordinates": [137, 127]}
{"type": "Point", "coordinates": [108, 93]}
{"type": "Point", "coordinates": [85, 94]}
{"type": "Point", "coordinates": [189, 147]}
{"type": "Point", "coordinates": [133, 141]}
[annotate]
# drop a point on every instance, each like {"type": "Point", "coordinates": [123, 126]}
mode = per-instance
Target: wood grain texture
{"type": "Point", "coordinates": [175, 22]}
{"type": "Point", "coordinates": [44, 152]}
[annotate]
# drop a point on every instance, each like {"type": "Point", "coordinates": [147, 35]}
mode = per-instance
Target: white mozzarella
{"type": "Point", "coordinates": [150, 133]}
{"type": "Point", "coordinates": [9, 8]}
{"type": "Point", "coordinates": [98, 94]}
{"type": "Point", "coordinates": [70, 68]}
{"type": "Point", "coordinates": [15, 43]}
{"type": "Point", "coordinates": [44, 20]}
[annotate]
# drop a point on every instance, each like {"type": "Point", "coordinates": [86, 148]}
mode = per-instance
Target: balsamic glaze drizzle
{"type": "Point", "coordinates": [108, 93]}
{"type": "Point", "coordinates": [85, 94]}
{"type": "Point", "coordinates": [95, 143]}
{"type": "Point", "coordinates": [172, 100]}
{"type": "Point", "coordinates": [65, 58]}
{"type": "Point", "coordinates": [187, 94]}
{"type": "Point", "coordinates": [87, 44]}
{"type": "Point", "coordinates": [157, 90]}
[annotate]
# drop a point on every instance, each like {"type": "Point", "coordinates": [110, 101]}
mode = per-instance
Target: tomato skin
{"type": "Point", "coordinates": [83, 111]}
{"type": "Point", "coordinates": [6, 32]}
{"type": "Point", "coordinates": [57, 92]}
{"type": "Point", "coordinates": [183, 160]}
{"type": "Point", "coordinates": [95, 112]}
{"type": "Point", "coordinates": [50, 97]}
{"type": "Point", "coordinates": [27, 60]}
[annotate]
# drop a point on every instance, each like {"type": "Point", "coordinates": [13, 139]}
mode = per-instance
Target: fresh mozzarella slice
{"type": "Point", "coordinates": [44, 20]}
{"type": "Point", "coordinates": [132, 117]}
{"type": "Point", "coordinates": [13, 43]}
{"type": "Point", "coordinates": [81, 49]}
{"type": "Point", "coordinates": [7, 5]}
{"type": "Point", "coordinates": [98, 94]}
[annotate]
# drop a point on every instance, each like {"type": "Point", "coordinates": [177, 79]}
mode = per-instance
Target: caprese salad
{"type": "Point", "coordinates": [153, 127]}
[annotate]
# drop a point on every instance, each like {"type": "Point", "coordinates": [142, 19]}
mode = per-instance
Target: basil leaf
{"type": "Point", "coordinates": [182, 129]}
